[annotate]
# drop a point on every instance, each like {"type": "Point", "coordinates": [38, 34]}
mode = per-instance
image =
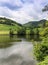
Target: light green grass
{"type": "Point", "coordinates": [4, 32]}
{"type": "Point", "coordinates": [5, 29]}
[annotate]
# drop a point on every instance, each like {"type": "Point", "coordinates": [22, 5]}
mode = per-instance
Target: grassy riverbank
{"type": "Point", "coordinates": [4, 32]}
{"type": "Point", "coordinates": [7, 32]}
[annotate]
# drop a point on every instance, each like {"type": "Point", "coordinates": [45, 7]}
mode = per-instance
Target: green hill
{"type": "Point", "coordinates": [33, 24]}
{"type": "Point", "coordinates": [7, 24]}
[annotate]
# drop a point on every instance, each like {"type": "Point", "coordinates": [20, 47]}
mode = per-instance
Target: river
{"type": "Point", "coordinates": [16, 51]}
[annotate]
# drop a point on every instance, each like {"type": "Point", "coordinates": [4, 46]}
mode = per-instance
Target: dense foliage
{"type": "Point", "coordinates": [41, 49]}
{"type": "Point", "coordinates": [45, 62]}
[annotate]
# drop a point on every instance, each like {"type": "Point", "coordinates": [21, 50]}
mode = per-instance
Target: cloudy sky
{"type": "Point", "coordinates": [23, 11]}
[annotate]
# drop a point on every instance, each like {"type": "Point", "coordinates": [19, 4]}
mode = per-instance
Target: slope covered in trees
{"type": "Point", "coordinates": [33, 24]}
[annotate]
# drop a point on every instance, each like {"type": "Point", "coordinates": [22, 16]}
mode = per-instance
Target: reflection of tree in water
{"type": "Point", "coordinates": [5, 40]}
{"type": "Point", "coordinates": [33, 37]}
{"type": "Point", "coordinates": [29, 37]}
{"type": "Point", "coordinates": [11, 36]}
{"type": "Point", "coordinates": [36, 37]}
{"type": "Point", "coordinates": [15, 38]}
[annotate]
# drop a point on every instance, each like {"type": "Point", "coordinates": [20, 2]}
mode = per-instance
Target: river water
{"type": "Point", "coordinates": [20, 51]}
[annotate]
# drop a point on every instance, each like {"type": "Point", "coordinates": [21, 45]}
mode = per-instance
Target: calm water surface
{"type": "Point", "coordinates": [16, 50]}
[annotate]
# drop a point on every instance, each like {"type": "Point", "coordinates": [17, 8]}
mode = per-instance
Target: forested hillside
{"type": "Point", "coordinates": [7, 24]}
{"type": "Point", "coordinates": [32, 24]}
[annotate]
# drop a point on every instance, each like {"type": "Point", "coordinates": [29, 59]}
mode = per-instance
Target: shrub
{"type": "Point", "coordinates": [41, 49]}
{"type": "Point", "coordinates": [45, 62]}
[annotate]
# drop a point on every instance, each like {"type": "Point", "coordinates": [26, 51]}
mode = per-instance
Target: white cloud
{"type": "Point", "coordinates": [28, 12]}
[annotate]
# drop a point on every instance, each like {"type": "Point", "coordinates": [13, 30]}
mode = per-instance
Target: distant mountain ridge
{"type": "Point", "coordinates": [35, 23]}
{"type": "Point", "coordinates": [30, 24]}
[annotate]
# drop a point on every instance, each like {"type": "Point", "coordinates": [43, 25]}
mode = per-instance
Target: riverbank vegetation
{"type": "Point", "coordinates": [40, 29]}
{"type": "Point", "coordinates": [41, 48]}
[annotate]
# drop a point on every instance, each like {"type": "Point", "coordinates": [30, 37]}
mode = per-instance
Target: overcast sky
{"type": "Point", "coordinates": [23, 11]}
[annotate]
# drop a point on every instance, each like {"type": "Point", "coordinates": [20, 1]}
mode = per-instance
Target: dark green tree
{"type": "Point", "coordinates": [44, 24]}
{"type": "Point", "coordinates": [22, 31]}
{"type": "Point", "coordinates": [37, 34]}
{"type": "Point", "coordinates": [11, 32]}
{"type": "Point", "coordinates": [31, 32]}
{"type": "Point", "coordinates": [45, 8]}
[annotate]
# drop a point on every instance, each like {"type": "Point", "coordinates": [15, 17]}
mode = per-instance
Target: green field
{"type": "Point", "coordinates": [5, 29]}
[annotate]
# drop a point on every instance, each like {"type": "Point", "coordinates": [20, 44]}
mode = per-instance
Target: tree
{"type": "Point", "coordinates": [31, 32]}
{"type": "Point", "coordinates": [37, 31]}
{"type": "Point", "coordinates": [41, 49]}
{"type": "Point", "coordinates": [45, 8]}
{"type": "Point", "coordinates": [22, 31]}
{"type": "Point", "coordinates": [44, 24]}
{"type": "Point", "coordinates": [11, 32]}
{"type": "Point", "coordinates": [45, 32]}
{"type": "Point", "coordinates": [37, 35]}
{"type": "Point", "coordinates": [45, 62]}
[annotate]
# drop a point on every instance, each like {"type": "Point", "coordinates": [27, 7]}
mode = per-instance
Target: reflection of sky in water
{"type": "Point", "coordinates": [17, 54]}
{"type": "Point", "coordinates": [18, 48]}
{"type": "Point", "coordinates": [20, 53]}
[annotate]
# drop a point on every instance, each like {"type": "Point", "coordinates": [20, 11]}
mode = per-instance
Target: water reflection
{"type": "Point", "coordinates": [21, 53]}
{"type": "Point", "coordinates": [29, 37]}
{"type": "Point", "coordinates": [33, 37]}
{"type": "Point", "coordinates": [6, 40]}
{"type": "Point", "coordinates": [16, 50]}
